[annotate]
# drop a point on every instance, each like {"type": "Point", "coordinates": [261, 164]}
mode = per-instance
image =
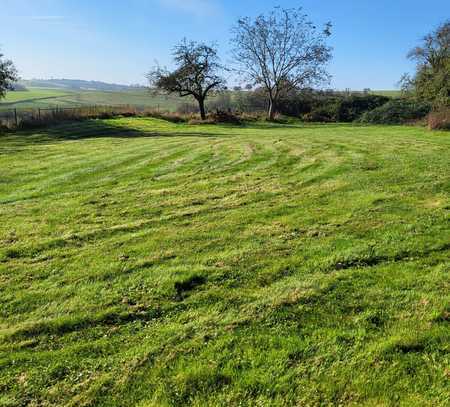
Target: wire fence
{"type": "Point", "coordinates": [27, 118]}
{"type": "Point", "coordinates": [17, 118]}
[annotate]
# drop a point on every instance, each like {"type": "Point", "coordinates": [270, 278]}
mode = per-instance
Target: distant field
{"type": "Point", "coordinates": [34, 97]}
{"type": "Point", "coordinates": [388, 93]}
{"type": "Point", "coordinates": [144, 263]}
{"type": "Point", "coordinates": [44, 97]}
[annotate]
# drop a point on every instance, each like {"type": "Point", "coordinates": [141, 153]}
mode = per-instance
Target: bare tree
{"type": "Point", "coordinates": [8, 75]}
{"type": "Point", "coordinates": [435, 48]}
{"type": "Point", "coordinates": [196, 74]}
{"type": "Point", "coordinates": [406, 85]}
{"type": "Point", "coordinates": [281, 51]}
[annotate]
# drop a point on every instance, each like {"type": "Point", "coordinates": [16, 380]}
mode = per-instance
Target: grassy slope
{"type": "Point", "coordinates": [33, 98]}
{"type": "Point", "coordinates": [388, 93]}
{"type": "Point", "coordinates": [145, 263]}
{"type": "Point", "coordinates": [44, 97]}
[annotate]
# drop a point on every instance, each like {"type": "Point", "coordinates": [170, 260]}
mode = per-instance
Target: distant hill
{"type": "Point", "coordinates": [77, 84]}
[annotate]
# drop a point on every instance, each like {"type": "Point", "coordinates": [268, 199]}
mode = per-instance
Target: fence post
{"type": "Point", "coordinates": [39, 113]}
{"type": "Point", "coordinates": [15, 118]}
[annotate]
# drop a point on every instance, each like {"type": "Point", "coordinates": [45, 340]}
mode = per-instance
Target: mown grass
{"type": "Point", "coordinates": [147, 263]}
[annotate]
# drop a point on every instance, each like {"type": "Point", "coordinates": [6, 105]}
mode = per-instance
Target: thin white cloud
{"type": "Point", "coordinates": [198, 8]}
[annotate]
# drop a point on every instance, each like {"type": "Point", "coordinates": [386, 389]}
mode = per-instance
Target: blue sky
{"type": "Point", "coordinates": [119, 40]}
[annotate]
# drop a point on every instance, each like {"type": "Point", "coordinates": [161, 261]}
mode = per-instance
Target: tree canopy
{"type": "Point", "coordinates": [432, 79]}
{"type": "Point", "coordinates": [8, 75]}
{"type": "Point", "coordinates": [281, 51]}
{"type": "Point", "coordinates": [196, 74]}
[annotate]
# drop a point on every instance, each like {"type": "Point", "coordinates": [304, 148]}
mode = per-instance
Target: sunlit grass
{"type": "Point", "coordinates": [43, 98]}
{"type": "Point", "coordinates": [147, 263]}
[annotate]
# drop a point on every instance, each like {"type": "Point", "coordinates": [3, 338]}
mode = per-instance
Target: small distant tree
{"type": "Point", "coordinates": [196, 74]}
{"type": "Point", "coordinates": [406, 85]}
{"type": "Point", "coordinates": [431, 81]}
{"type": "Point", "coordinates": [8, 76]}
{"type": "Point", "coordinates": [280, 52]}
{"type": "Point", "coordinates": [18, 87]}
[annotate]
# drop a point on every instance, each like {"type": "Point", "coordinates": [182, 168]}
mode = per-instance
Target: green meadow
{"type": "Point", "coordinates": [387, 93]}
{"type": "Point", "coordinates": [35, 98]}
{"type": "Point", "coordinates": [145, 263]}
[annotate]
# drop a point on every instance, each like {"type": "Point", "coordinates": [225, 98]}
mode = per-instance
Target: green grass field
{"type": "Point", "coordinates": [36, 98]}
{"type": "Point", "coordinates": [144, 263]}
{"type": "Point", "coordinates": [46, 98]}
{"type": "Point", "coordinates": [388, 93]}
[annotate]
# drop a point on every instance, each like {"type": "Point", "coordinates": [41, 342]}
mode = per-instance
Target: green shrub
{"type": "Point", "coordinates": [334, 107]}
{"type": "Point", "coordinates": [217, 117]}
{"type": "Point", "coordinates": [397, 111]}
{"type": "Point", "coordinates": [325, 114]}
{"type": "Point", "coordinates": [312, 105]}
{"type": "Point", "coordinates": [220, 116]}
{"type": "Point", "coordinates": [353, 107]}
{"type": "Point", "coordinates": [170, 117]}
{"type": "Point", "coordinates": [197, 121]}
{"type": "Point", "coordinates": [439, 120]}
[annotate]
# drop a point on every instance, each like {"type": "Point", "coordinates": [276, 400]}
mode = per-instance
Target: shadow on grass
{"type": "Point", "coordinates": [68, 324]}
{"type": "Point", "coordinates": [295, 125]}
{"type": "Point", "coordinates": [90, 129]}
{"type": "Point", "coordinates": [12, 142]}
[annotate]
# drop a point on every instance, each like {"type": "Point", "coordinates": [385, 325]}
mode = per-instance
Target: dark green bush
{"type": "Point", "coordinates": [397, 111]}
{"type": "Point", "coordinates": [307, 104]}
{"type": "Point", "coordinates": [353, 107]}
{"type": "Point", "coordinates": [326, 113]}
{"type": "Point", "coordinates": [220, 116]}
{"type": "Point", "coordinates": [329, 107]}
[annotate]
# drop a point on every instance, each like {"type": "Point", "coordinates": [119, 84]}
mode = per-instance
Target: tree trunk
{"type": "Point", "coordinates": [201, 105]}
{"type": "Point", "coordinates": [271, 112]}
